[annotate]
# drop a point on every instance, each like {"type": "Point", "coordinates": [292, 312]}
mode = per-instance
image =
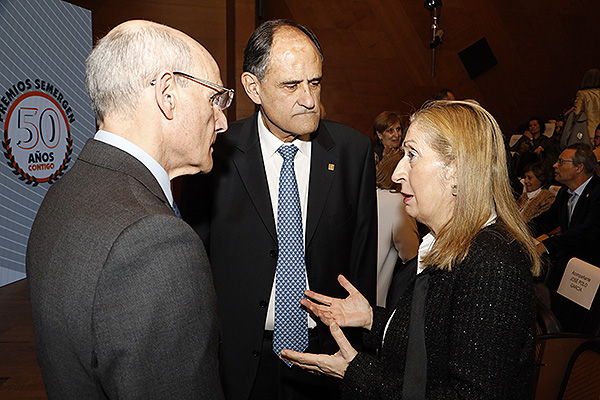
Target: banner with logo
{"type": "Point", "coordinates": [45, 113]}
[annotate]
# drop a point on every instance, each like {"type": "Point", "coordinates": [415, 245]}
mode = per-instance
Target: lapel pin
{"type": "Point", "coordinates": [331, 167]}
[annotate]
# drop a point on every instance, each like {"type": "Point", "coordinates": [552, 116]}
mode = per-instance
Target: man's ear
{"type": "Point", "coordinates": [165, 94]}
{"type": "Point", "coordinates": [252, 86]}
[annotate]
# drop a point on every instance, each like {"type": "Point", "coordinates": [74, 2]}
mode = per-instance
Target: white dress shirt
{"type": "Point", "coordinates": [153, 166]}
{"type": "Point", "coordinates": [573, 200]}
{"type": "Point", "coordinates": [273, 162]}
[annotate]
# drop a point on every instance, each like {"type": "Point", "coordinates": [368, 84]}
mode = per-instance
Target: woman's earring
{"type": "Point", "coordinates": [454, 191]}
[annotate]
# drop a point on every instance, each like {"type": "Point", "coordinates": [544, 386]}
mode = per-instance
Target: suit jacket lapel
{"type": "Point", "coordinates": [322, 170]}
{"type": "Point", "coordinates": [581, 208]}
{"type": "Point", "coordinates": [249, 164]}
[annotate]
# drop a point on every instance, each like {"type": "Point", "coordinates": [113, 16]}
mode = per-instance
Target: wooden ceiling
{"type": "Point", "coordinates": [377, 54]}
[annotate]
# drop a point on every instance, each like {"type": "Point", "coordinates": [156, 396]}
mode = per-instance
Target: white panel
{"type": "Point", "coordinates": [43, 47]}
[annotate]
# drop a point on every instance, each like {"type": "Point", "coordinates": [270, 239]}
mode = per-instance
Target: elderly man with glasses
{"type": "Point", "coordinates": [571, 227]}
{"type": "Point", "coordinates": [121, 288]}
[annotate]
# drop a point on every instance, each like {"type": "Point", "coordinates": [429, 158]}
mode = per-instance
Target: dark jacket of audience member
{"type": "Point", "coordinates": [579, 236]}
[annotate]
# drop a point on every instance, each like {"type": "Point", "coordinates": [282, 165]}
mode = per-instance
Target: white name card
{"type": "Point", "coordinates": [580, 282]}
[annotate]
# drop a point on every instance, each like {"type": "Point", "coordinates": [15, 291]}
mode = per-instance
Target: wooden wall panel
{"type": "Point", "coordinates": [377, 54]}
{"type": "Point", "coordinates": [245, 24]}
{"type": "Point", "coordinates": [204, 20]}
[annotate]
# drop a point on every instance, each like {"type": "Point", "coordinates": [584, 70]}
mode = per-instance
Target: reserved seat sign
{"type": "Point", "coordinates": [580, 282]}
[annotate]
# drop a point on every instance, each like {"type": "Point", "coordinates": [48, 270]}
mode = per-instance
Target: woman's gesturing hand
{"type": "Point", "coordinates": [354, 310]}
{"type": "Point", "coordinates": [333, 365]}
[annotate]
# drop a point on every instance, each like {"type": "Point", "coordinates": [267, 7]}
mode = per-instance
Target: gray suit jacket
{"type": "Point", "coordinates": [121, 289]}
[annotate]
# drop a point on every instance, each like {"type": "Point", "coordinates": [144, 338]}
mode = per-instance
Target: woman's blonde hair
{"type": "Point", "coordinates": [465, 135]}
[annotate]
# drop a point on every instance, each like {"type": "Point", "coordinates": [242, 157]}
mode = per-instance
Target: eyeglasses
{"type": "Point", "coordinates": [560, 161]}
{"type": "Point", "coordinates": [222, 99]}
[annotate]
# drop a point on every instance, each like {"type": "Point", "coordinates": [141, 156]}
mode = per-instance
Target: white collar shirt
{"type": "Point", "coordinates": [153, 166]}
{"type": "Point", "coordinates": [273, 162]}
{"type": "Point", "coordinates": [578, 192]}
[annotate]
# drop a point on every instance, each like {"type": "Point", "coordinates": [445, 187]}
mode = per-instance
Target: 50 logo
{"type": "Point", "coordinates": [37, 138]}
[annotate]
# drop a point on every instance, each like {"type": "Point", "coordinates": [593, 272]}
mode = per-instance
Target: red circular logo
{"type": "Point", "coordinates": [37, 138]}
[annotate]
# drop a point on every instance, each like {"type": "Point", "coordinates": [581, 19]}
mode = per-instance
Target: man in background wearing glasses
{"type": "Point", "coordinates": [121, 288]}
{"type": "Point", "coordinates": [576, 211]}
{"type": "Point", "coordinates": [333, 180]}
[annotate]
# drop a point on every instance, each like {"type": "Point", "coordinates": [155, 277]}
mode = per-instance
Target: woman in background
{"type": "Point", "coordinates": [387, 134]}
{"type": "Point", "coordinates": [587, 99]}
{"type": "Point", "coordinates": [536, 198]}
{"type": "Point", "coordinates": [464, 328]}
{"type": "Point", "coordinates": [398, 236]}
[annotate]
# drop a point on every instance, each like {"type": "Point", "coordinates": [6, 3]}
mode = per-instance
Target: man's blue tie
{"type": "Point", "coordinates": [291, 323]}
{"type": "Point", "coordinates": [571, 206]}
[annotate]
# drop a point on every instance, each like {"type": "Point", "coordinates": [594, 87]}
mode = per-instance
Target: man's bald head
{"type": "Point", "coordinates": [125, 61]}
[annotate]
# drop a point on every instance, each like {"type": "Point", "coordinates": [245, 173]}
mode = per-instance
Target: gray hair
{"type": "Point", "coordinates": [125, 61]}
{"type": "Point", "coordinates": [584, 156]}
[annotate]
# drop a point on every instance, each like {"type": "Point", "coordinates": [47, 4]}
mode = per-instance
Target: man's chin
{"type": "Point", "coordinates": [206, 166]}
{"type": "Point", "coordinates": [307, 127]}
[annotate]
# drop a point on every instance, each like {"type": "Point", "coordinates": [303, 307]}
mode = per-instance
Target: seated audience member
{"type": "Point", "coordinates": [533, 136]}
{"type": "Point", "coordinates": [552, 148]}
{"type": "Point", "coordinates": [576, 211]}
{"type": "Point", "coordinates": [465, 325]}
{"type": "Point", "coordinates": [536, 198]}
{"type": "Point", "coordinates": [597, 143]}
{"type": "Point", "coordinates": [533, 146]}
{"type": "Point", "coordinates": [387, 134]}
{"type": "Point", "coordinates": [558, 128]}
{"type": "Point", "coordinates": [398, 235]}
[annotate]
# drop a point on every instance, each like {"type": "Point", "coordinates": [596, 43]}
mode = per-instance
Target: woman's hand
{"type": "Point", "coordinates": [354, 310]}
{"type": "Point", "coordinates": [334, 365]}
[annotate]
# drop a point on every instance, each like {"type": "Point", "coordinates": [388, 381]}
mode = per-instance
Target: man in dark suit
{"type": "Point", "coordinates": [576, 214]}
{"type": "Point", "coordinates": [123, 301]}
{"type": "Point", "coordinates": [334, 170]}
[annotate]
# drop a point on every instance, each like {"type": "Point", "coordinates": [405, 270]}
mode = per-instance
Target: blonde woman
{"type": "Point", "coordinates": [465, 326]}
